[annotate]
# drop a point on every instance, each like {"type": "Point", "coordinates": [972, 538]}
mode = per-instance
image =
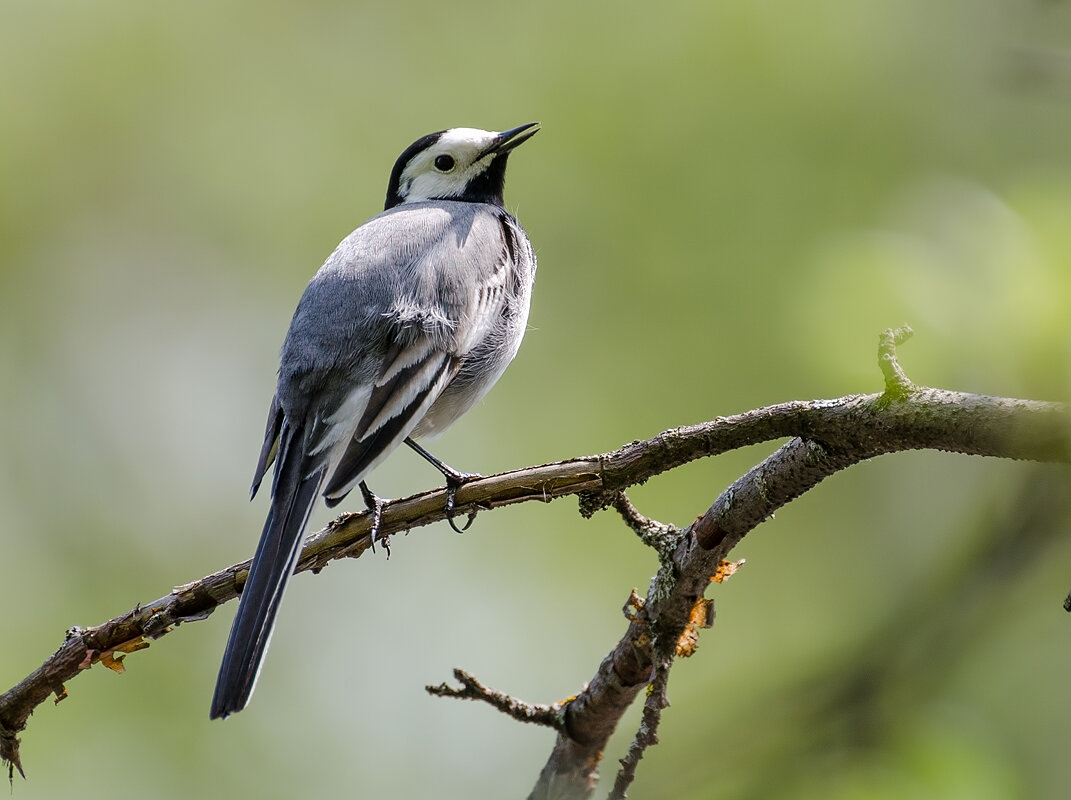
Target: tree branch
{"type": "Point", "coordinates": [830, 435]}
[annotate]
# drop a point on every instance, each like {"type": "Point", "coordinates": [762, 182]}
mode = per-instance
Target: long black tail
{"type": "Point", "coordinates": [293, 496]}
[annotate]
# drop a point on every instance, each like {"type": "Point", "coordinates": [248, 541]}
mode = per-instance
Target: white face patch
{"type": "Point", "coordinates": [448, 166]}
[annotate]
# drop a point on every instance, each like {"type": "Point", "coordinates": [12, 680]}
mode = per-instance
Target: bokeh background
{"type": "Point", "coordinates": [729, 200]}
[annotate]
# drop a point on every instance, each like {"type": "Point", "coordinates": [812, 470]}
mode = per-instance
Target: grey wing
{"type": "Point", "coordinates": [381, 332]}
{"type": "Point", "coordinates": [495, 324]}
{"type": "Point", "coordinates": [270, 446]}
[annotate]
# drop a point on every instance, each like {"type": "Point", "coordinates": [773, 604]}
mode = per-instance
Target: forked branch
{"type": "Point", "coordinates": [826, 436]}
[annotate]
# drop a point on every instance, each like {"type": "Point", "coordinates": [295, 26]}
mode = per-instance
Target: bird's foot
{"type": "Point", "coordinates": [454, 481]}
{"type": "Point", "coordinates": [376, 505]}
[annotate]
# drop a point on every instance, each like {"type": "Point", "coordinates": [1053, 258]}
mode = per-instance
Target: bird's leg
{"type": "Point", "coordinates": [375, 504]}
{"type": "Point", "coordinates": [454, 481]}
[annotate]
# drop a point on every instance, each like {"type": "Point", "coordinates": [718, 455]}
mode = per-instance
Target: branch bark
{"type": "Point", "coordinates": [827, 435]}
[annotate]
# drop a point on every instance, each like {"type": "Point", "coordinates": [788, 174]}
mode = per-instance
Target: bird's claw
{"type": "Point", "coordinates": [375, 504]}
{"type": "Point", "coordinates": [453, 483]}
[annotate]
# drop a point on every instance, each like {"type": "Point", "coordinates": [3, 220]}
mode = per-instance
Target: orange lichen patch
{"type": "Point", "coordinates": [113, 659]}
{"type": "Point", "coordinates": [726, 569]}
{"type": "Point", "coordinates": [701, 616]}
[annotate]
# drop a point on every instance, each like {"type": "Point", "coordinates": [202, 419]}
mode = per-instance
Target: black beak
{"type": "Point", "coordinates": [507, 140]}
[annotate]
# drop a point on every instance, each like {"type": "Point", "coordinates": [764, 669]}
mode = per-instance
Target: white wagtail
{"type": "Point", "coordinates": [407, 324]}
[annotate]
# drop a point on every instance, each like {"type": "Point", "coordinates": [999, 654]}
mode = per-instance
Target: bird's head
{"type": "Point", "coordinates": [458, 164]}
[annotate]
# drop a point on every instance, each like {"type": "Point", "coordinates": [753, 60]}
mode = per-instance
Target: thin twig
{"type": "Point", "coordinates": [647, 733]}
{"type": "Point", "coordinates": [659, 535]}
{"type": "Point", "coordinates": [897, 383]}
{"type": "Point", "coordinates": [472, 689]}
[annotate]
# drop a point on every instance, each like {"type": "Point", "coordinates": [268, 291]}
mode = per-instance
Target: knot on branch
{"type": "Point", "coordinates": [594, 501]}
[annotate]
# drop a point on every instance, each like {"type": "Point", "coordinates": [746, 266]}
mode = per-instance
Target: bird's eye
{"type": "Point", "coordinates": [444, 163]}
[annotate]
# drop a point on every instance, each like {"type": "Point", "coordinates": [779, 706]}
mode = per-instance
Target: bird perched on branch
{"type": "Point", "coordinates": [407, 324]}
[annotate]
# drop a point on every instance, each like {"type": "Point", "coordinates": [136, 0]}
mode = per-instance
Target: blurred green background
{"type": "Point", "coordinates": [729, 201]}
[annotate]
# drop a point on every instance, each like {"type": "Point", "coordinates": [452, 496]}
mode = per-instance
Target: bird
{"type": "Point", "coordinates": [408, 323]}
